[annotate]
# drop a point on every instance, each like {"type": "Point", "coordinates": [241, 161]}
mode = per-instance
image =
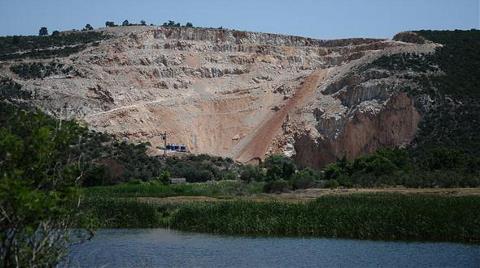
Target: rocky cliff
{"type": "Point", "coordinates": [232, 93]}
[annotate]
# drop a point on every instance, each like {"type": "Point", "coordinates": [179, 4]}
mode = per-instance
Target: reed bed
{"type": "Point", "coordinates": [358, 216]}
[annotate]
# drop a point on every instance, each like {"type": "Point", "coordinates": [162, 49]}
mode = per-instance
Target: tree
{"type": "Point", "coordinates": [189, 24]}
{"type": "Point", "coordinates": [43, 31]}
{"type": "Point", "coordinates": [55, 33]}
{"type": "Point", "coordinates": [143, 23]}
{"type": "Point", "coordinates": [303, 179]}
{"type": "Point", "coordinates": [88, 27]}
{"type": "Point", "coordinates": [125, 23]}
{"type": "Point", "coordinates": [164, 177]}
{"type": "Point", "coordinates": [110, 24]}
{"type": "Point", "coordinates": [279, 167]}
{"type": "Point", "coordinates": [38, 187]}
{"type": "Point", "coordinates": [251, 173]}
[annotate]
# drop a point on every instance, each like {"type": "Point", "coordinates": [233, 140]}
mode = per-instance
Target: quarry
{"type": "Point", "coordinates": [237, 94]}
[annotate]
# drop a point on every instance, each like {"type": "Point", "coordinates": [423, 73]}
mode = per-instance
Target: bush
{"type": "Point", "coordinates": [164, 177]}
{"type": "Point", "coordinates": [303, 179]}
{"type": "Point", "coordinates": [332, 184]}
{"type": "Point", "coordinates": [279, 167]}
{"type": "Point", "coordinates": [277, 186]}
{"type": "Point", "coordinates": [251, 173]}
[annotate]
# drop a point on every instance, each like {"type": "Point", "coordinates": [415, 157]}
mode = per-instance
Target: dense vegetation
{"type": "Point", "coordinates": [361, 216]}
{"type": "Point", "coordinates": [34, 70]}
{"type": "Point", "coordinates": [58, 45]}
{"type": "Point", "coordinates": [220, 189]}
{"type": "Point", "coordinates": [11, 90]}
{"type": "Point", "coordinates": [38, 187]}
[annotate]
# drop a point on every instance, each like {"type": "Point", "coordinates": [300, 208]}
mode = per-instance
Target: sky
{"type": "Point", "coordinates": [324, 19]}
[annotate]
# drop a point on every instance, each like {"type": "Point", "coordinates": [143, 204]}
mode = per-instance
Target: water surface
{"type": "Point", "coordinates": [167, 248]}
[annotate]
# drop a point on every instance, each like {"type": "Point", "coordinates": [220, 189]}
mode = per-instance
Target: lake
{"type": "Point", "coordinates": [168, 248]}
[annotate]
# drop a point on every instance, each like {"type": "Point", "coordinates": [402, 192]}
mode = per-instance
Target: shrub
{"type": "Point", "coordinates": [332, 184]}
{"type": "Point", "coordinates": [303, 179]}
{"type": "Point", "coordinates": [164, 177]}
{"type": "Point", "coordinates": [251, 173]}
{"type": "Point", "coordinates": [279, 167]}
{"type": "Point", "coordinates": [276, 186]}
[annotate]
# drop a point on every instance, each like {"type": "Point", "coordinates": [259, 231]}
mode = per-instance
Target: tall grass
{"type": "Point", "coordinates": [372, 216]}
{"type": "Point", "coordinates": [360, 216]}
{"type": "Point", "coordinates": [121, 213]}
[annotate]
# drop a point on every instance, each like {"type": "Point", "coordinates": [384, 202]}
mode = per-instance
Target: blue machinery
{"type": "Point", "coordinates": [172, 146]}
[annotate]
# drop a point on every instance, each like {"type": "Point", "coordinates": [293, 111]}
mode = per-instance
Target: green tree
{"type": "Point", "coordinates": [279, 167]}
{"type": "Point", "coordinates": [125, 23]}
{"type": "Point", "coordinates": [43, 31]}
{"type": "Point", "coordinates": [189, 24]}
{"type": "Point", "coordinates": [143, 23]}
{"type": "Point", "coordinates": [38, 187]}
{"type": "Point", "coordinates": [251, 173]}
{"type": "Point", "coordinates": [88, 27]}
{"type": "Point", "coordinates": [303, 179]}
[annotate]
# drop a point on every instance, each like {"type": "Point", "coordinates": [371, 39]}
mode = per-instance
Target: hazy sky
{"type": "Point", "coordinates": [313, 18]}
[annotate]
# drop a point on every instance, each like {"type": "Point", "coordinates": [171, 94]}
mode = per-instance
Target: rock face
{"type": "Point", "coordinates": [237, 94]}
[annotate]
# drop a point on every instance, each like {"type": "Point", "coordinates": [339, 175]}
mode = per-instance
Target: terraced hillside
{"type": "Point", "coordinates": [223, 92]}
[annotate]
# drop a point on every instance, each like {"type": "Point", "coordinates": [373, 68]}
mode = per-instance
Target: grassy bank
{"type": "Point", "coordinates": [361, 216]}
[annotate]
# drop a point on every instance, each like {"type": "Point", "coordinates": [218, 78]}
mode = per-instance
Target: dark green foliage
{"type": "Point", "coordinates": [251, 173]}
{"type": "Point", "coordinates": [276, 186]}
{"type": "Point", "coordinates": [125, 23]}
{"type": "Point", "coordinates": [61, 45]}
{"type": "Point", "coordinates": [437, 167]}
{"type": "Point", "coordinates": [38, 181]}
{"type": "Point", "coordinates": [189, 24]}
{"type": "Point", "coordinates": [39, 70]}
{"type": "Point", "coordinates": [279, 167]}
{"type": "Point", "coordinates": [171, 23]}
{"type": "Point", "coordinates": [10, 90]}
{"type": "Point", "coordinates": [201, 168]}
{"type": "Point", "coordinates": [43, 31]}
{"type": "Point", "coordinates": [143, 23]}
{"type": "Point", "coordinates": [332, 184]}
{"type": "Point", "coordinates": [110, 24]}
{"type": "Point", "coordinates": [88, 27]}
{"type": "Point", "coordinates": [372, 216]}
{"type": "Point", "coordinates": [304, 179]}
{"type": "Point", "coordinates": [164, 177]}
